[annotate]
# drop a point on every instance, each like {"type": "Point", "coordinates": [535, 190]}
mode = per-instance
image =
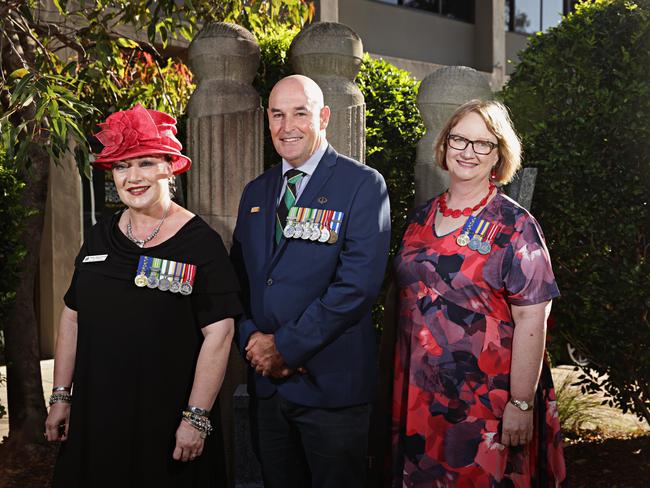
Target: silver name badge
{"type": "Point", "coordinates": [96, 258]}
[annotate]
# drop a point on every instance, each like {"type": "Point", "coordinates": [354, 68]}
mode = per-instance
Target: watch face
{"type": "Point", "coordinates": [520, 404]}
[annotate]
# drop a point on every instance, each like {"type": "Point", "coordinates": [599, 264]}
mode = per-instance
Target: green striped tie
{"type": "Point", "coordinates": [287, 201]}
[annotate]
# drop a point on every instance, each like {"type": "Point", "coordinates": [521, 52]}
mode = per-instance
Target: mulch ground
{"type": "Point", "coordinates": [598, 462]}
{"type": "Point", "coordinates": [592, 462]}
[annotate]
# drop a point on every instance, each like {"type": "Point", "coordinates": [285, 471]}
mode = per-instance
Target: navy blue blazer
{"type": "Point", "coordinates": [315, 298]}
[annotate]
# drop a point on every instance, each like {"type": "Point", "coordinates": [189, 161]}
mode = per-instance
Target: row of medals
{"type": "Point", "coordinates": [475, 243]}
{"type": "Point", "coordinates": [164, 284]}
{"type": "Point", "coordinates": [310, 231]}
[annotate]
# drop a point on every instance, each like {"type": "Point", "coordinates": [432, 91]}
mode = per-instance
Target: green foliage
{"type": "Point", "coordinates": [581, 99]}
{"type": "Point", "coordinates": [274, 65]}
{"type": "Point", "coordinates": [575, 408]}
{"type": "Point", "coordinates": [393, 129]}
{"type": "Point", "coordinates": [49, 99]}
{"type": "Point", "coordinates": [12, 216]}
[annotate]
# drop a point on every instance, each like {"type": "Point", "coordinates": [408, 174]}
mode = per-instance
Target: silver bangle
{"type": "Point", "coordinates": [61, 388]}
{"type": "Point", "coordinates": [198, 411]}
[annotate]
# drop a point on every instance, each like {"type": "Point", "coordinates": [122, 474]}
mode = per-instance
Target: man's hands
{"type": "Point", "coordinates": [265, 358]}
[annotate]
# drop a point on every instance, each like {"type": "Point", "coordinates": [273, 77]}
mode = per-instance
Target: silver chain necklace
{"type": "Point", "coordinates": [154, 233]}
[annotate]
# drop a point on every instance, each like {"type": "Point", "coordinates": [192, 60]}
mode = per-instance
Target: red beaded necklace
{"type": "Point", "coordinates": [455, 213]}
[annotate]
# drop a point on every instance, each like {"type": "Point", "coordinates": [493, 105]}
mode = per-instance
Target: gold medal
{"type": "Point", "coordinates": [462, 240]}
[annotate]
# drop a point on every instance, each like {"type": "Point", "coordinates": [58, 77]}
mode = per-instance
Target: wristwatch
{"type": "Point", "coordinates": [522, 405]}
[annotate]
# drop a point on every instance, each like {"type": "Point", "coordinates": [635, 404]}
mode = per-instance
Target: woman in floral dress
{"type": "Point", "coordinates": [473, 399]}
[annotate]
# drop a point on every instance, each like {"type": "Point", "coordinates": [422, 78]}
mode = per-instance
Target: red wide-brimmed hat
{"type": "Point", "coordinates": [140, 132]}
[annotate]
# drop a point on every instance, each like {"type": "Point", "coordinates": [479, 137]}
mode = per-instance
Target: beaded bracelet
{"type": "Point", "coordinates": [60, 398]}
{"type": "Point", "coordinates": [199, 422]}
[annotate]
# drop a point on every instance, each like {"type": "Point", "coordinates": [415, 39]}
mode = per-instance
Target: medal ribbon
{"type": "Point", "coordinates": [337, 218]}
{"type": "Point", "coordinates": [328, 218]}
{"type": "Point", "coordinates": [482, 228]}
{"type": "Point", "coordinates": [468, 224]}
{"type": "Point", "coordinates": [473, 227]}
{"type": "Point", "coordinates": [191, 274]}
{"type": "Point", "coordinates": [301, 214]}
{"type": "Point", "coordinates": [492, 233]}
{"type": "Point", "coordinates": [155, 266]}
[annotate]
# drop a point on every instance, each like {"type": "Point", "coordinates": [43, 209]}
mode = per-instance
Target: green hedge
{"type": "Point", "coordinates": [12, 218]}
{"type": "Point", "coordinates": [581, 99]}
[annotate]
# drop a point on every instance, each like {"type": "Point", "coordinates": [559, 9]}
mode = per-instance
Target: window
{"type": "Point", "coordinates": [453, 9]}
{"type": "Point", "coordinates": [530, 16]}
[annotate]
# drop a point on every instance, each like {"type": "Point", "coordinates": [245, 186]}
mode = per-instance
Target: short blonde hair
{"type": "Point", "coordinates": [496, 118]}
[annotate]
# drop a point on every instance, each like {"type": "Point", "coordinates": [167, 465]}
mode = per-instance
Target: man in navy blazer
{"type": "Point", "coordinates": [307, 333]}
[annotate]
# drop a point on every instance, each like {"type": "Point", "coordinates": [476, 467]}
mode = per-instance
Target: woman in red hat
{"type": "Point", "coordinates": [145, 333]}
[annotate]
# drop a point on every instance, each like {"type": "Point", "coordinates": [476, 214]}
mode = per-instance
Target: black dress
{"type": "Point", "coordinates": [136, 353]}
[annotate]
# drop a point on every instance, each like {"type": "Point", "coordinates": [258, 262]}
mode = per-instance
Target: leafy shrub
{"type": "Point", "coordinates": [274, 65]}
{"type": "Point", "coordinates": [393, 129]}
{"type": "Point", "coordinates": [12, 217]}
{"type": "Point", "coordinates": [581, 99]}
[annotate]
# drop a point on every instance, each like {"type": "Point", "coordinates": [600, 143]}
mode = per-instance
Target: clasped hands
{"type": "Point", "coordinates": [265, 358]}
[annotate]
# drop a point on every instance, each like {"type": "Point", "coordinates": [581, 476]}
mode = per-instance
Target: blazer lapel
{"type": "Point", "coordinates": [272, 195]}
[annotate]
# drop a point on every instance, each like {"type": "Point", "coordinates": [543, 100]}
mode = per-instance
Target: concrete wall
{"type": "Point", "coordinates": [392, 30]}
{"type": "Point", "coordinates": [60, 245]}
{"type": "Point", "coordinates": [514, 43]}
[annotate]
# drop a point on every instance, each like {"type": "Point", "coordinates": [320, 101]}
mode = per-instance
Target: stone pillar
{"type": "Point", "coordinates": [62, 238]}
{"type": "Point", "coordinates": [225, 127]}
{"type": "Point", "coordinates": [521, 188]}
{"type": "Point", "coordinates": [442, 92]}
{"type": "Point", "coordinates": [331, 55]}
{"type": "Point", "coordinates": [327, 10]}
{"type": "Point", "coordinates": [225, 132]}
{"type": "Point", "coordinates": [491, 40]}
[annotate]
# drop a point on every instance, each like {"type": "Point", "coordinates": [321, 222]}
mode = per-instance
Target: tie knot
{"type": "Point", "coordinates": [293, 175]}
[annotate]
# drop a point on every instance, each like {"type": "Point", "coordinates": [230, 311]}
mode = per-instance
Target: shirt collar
{"type": "Point", "coordinates": [310, 165]}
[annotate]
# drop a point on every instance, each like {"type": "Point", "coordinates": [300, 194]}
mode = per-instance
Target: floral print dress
{"type": "Point", "coordinates": [453, 351]}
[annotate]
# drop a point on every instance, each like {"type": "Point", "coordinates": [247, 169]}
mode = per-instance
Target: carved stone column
{"type": "Point", "coordinates": [331, 55]}
{"type": "Point", "coordinates": [225, 124]}
{"type": "Point", "coordinates": [442, 92]}
{"type": "Point", "coordinates": [225, 141]}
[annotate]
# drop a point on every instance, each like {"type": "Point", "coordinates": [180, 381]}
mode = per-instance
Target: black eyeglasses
{"type": "Point", "coordinates": [479, 147]}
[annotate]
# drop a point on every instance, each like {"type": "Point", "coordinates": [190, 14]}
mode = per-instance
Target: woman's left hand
{"type": "Point", "coordinates": [516, 426]}
{"type": "Point", "coordinates": [189, 443]}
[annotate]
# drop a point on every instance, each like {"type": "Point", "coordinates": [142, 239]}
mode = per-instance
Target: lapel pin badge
{"type": "Point", "coordinates": [255, 209]}
{"type": "Point", "coordinates": [322, 200]}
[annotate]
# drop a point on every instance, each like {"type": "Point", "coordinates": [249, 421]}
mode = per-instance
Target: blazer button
{"type": "Point", "coordinates": [269, 282]}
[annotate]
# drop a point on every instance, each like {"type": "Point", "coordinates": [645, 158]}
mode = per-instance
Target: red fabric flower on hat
{"type": "Point", "coordinates": [139, 132]}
